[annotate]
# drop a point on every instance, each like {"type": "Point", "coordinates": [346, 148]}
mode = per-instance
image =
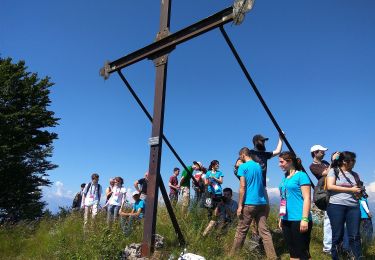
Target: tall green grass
{"type": "Point", "coordinates": [62, 237]}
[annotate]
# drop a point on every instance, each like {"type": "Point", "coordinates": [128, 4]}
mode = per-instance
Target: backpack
{"type": "Point", "coordinates": [77, 200]}
{"type": "Point", "coordinates": [321, 194]}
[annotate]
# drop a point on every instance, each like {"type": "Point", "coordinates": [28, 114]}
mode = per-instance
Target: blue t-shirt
{"type": "Point", "coordinates": [252, 172]}
{"type": "Point", "coordinates": [140, 204]}
{"type": "Point", "coordinates": [290, 189]}
{"type": "Point", "coordinates": [363, 212]}
{"type": "Point", "coordinates": [214, 187]}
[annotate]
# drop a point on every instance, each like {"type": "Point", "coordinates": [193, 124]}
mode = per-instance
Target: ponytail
{"type": "Point", "coordinates": [298, 164]}
{"type": "Point", "coordinates": [296, 161]}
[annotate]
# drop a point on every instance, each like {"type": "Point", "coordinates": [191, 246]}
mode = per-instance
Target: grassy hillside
{"type": "Point", "coordinates": [62, 237]}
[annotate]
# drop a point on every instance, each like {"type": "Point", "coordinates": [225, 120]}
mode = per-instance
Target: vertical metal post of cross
{"type": "Point", "coordinates": [161, 64]}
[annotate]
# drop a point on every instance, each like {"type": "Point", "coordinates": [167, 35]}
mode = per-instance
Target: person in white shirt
{"type": "Point", "coordinates": [91, 197]}
{"type": "Point", "coordinates": [116, 200]}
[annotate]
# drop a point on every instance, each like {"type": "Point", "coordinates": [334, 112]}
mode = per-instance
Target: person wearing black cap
{"type": "Point", "coordinates": [261, 156]}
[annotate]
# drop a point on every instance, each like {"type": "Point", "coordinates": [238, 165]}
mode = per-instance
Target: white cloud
{"type": "Point", "coordinates": [273, 195]}
{"type": "Point", "coordinates": [370, 189]}
{"type": "Point", "coordinates": [273, 192]}
{"type": "Point", "coordinates": [57, 196]}
{"type": "Point", "coordinates": [57, 190]}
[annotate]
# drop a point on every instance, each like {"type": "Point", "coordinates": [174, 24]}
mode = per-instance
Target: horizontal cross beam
{"type": "Point", "coordinates": [169, 42]}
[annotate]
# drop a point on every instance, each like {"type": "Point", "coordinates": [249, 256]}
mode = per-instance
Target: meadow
{"type": "Point", "coordinates": [61, 236]}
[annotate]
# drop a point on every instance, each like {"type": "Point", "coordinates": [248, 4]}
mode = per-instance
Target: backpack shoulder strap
{"type": "Point", "coordinates": [99, 190]}
{"type": "Point", "coordinates": [325, 183]}
{"type": "Point", "coordinates": [351, 183]}
{"type": "Point", "coordinates": [336, 171]}
{"type": "Point", "coordinates": [356, 177]}
{"type": "Point", "coordinates": [88, 187]}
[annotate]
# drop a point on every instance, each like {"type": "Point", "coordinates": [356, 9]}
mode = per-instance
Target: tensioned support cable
{"type": "Point", "coordinates": [161, 184]}
{"type": "Point", "coordinates": [150, 118]}
{"type": "Point", "coordinates": [248, 77]}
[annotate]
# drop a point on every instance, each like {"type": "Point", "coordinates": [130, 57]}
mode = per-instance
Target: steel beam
{"type": "Point", "coordinates": [161, 63]}
{"type": "Point", "coordinates": [168, 43]}
{"type": "Point", "coordinates": [167, 202]}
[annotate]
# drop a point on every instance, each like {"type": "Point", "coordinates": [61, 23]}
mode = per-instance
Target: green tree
{"type": "Point", "coordinates": [25, 142]}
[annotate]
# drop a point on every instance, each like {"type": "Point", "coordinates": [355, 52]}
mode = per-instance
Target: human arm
{"type": "Point", "coordinates": [84, 192]}
{"type": "Point", "coordinates": [331, 185]}
{"type": "Point", "coordinates": [127, 213]}
{"type": "Point", "coordinates": [138, 207]}
{"type": "Point", "coordinates": [137, 213]}
{"type": "Point", "coordinates": [218, 180]}
{"type": "Point", "coordinates": [108, 191]}
{"type": "Point", "coordinates": [132, 213]}
{"type": "Point", "coordinates": [136, 186]}
{"type": "Point", "coordinates": [333, 157]}
{"type": "Point", "coordinates": [83, 201]}
{"type": "Point", "coordinates": [280, 224]}
{"type": "Point", "coordinates": [182, 180]}
{"type": "Point", "coordinates": [365, 207]}
{"type": "Point", "coordinates": [306, 194]}
{"type": "Point", "coordinates": [279, 146]}
{"type": "Point", "coordinates": [170, 184]}
{"type": "Point", "coordinates": [241, 195]}
{"type": "Point", "coordinates": [123, 198]}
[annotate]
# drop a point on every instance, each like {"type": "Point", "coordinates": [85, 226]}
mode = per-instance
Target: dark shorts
{"type": "Point", "coordinates": [298, 243]}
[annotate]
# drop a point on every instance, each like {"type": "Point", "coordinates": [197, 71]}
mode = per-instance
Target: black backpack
{"type": "Point", "coordinates": [77, 200]}
{"type": "Point", "coordinates": [321, 194]}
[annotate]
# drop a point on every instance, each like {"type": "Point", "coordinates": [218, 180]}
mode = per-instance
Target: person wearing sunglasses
{"type": "Point", "coordinates": [343, 208]}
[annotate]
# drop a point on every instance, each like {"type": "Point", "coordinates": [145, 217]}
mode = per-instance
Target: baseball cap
{"type": "Point", "coordinates": [318, 147]}
{"type": "Point", "coordinates": [199, 163]}
{"type": "Point", "coordinates": [135, 193]}
{"type": "Point", "coordinates": [257, 138]}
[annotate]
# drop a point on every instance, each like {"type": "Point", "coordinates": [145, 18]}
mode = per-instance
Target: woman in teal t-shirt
{"type": "Point", "coordinates": [214, 179]}
{"type": "Point", "coordinates": [295, 215]}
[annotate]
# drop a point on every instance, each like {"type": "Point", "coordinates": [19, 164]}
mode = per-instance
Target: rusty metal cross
{"type": "Point", "coordinates": [158, 52]}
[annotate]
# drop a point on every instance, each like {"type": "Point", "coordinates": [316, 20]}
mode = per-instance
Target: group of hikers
{"type": "Point", "coordinates": [347, 218]}
{"type": "Point", "coordinates": [88, 199]}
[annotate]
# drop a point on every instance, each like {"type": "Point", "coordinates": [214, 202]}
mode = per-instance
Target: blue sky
{"type": "Point", "coordinates": [313, 62]}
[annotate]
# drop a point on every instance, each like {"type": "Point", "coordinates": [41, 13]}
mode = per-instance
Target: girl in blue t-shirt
{"type": "Point", "coordinates": [213, 181]}
{"type": "Point", "coordinates": [295, 216]}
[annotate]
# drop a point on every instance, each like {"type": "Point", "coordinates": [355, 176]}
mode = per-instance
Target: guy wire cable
{"type": "Point", "coordinates": [248, 77]}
